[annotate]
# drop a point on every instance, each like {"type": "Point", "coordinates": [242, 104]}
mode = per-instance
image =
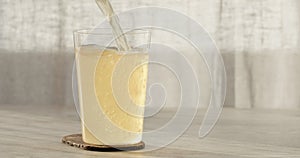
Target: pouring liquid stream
{"type": "Point", "coordinates": [107, 10]}
{"type": "Point", "coordinates": [103, 70]}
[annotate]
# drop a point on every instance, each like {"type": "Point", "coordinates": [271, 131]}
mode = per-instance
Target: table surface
{"type": "Point", "coordinates": [36, 131]}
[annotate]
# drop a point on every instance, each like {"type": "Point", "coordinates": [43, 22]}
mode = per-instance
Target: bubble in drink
{"type": "Point", "coordinates": [97, 69]}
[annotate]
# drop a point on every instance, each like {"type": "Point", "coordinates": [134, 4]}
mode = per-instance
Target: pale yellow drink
{"type": "Point", "coordinates": [112, 93]}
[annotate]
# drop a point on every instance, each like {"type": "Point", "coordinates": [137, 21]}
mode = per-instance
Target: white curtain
{"type": "Point", "coordinates": [263, 35]}
{"type": "Point", "coordinates": [258, 39]}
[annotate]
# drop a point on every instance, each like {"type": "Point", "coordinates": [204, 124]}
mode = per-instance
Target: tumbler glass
{"type": "Point", "coordinates": [111, 85]}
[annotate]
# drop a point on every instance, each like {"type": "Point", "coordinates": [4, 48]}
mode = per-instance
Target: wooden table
{"type": "Point", "coordinates": [36, 131]}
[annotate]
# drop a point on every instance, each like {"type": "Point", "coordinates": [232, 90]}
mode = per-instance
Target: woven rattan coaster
{"type": "Point", "coordinates": [75, 140]}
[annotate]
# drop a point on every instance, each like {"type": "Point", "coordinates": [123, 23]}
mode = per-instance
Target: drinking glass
{"type": "Point", "coordinates": [111, 85]}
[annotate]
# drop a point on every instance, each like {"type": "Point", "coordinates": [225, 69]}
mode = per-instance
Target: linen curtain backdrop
{"type": "Point", "coordinates": [259, 40]}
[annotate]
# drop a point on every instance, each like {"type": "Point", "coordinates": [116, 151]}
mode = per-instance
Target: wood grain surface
{"type": "Point", "coordinates": [36, 131]}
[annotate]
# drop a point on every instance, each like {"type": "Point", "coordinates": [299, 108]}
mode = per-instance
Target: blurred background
{"type": "Point", "coordinates": [259, 41]}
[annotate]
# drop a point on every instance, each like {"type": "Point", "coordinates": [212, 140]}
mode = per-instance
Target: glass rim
{"type": "Point", "coordinates": [126, 31]}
